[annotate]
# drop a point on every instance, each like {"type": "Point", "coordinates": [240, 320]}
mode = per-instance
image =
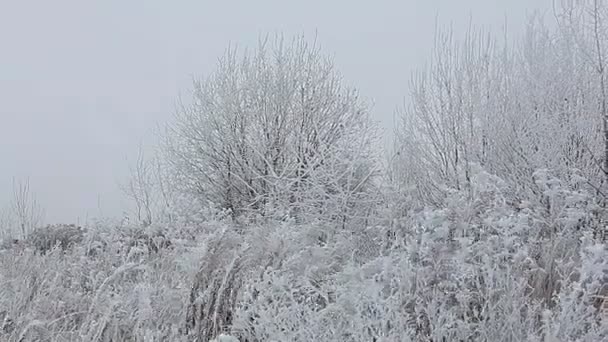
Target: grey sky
{"type": "Point", "coordinates": [82, 82]}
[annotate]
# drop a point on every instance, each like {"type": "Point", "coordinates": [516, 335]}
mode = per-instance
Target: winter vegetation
{"type": "Point", "coordinates": [270, 212]}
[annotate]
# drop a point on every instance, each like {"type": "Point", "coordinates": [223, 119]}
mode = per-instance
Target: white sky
{"type": "Point", "coordinates": [83, 82]}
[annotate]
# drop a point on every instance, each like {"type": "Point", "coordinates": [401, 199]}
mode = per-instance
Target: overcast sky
{"type": "Point", "coordinates": [83, 82]}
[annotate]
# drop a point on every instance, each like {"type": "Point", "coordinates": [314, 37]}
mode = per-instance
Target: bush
{"type": "Point", "coordinates": [51, 236]}
{"type": "Point", "coordinates": [151, 239]}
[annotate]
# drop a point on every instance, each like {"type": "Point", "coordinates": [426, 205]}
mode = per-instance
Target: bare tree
{"type": "Point", "coordinates": [5, 224]}
{"type": "Point", "coordinates": [165, 196]}
{"type": "Point", "coordinates": [24, 209]}
{"type": "Point", "coordinates": [140, 187]}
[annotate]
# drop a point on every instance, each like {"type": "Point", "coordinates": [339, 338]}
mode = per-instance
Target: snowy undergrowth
{"type": "Point", "coordinates": [478, 269]}
{"type": "Point", "coordinates": [110, 287]}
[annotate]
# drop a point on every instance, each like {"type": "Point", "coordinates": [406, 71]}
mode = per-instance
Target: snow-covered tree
{"type": "Point", "coordinates": [274, 128]}
{"type": "Point", "coordinates": [511, 108]}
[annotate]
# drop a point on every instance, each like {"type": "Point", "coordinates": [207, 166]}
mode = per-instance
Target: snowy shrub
{"type": "Point", "coordinates": [151, 238]}
{"type": "Point", "coordinates": [46, 238]}
{"type": "Point", "coordinates": [232, 259]}
{"type": "Point", "coordinates": [481, 268]}
{"type": "Point", "coordinates": [72, 295]}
